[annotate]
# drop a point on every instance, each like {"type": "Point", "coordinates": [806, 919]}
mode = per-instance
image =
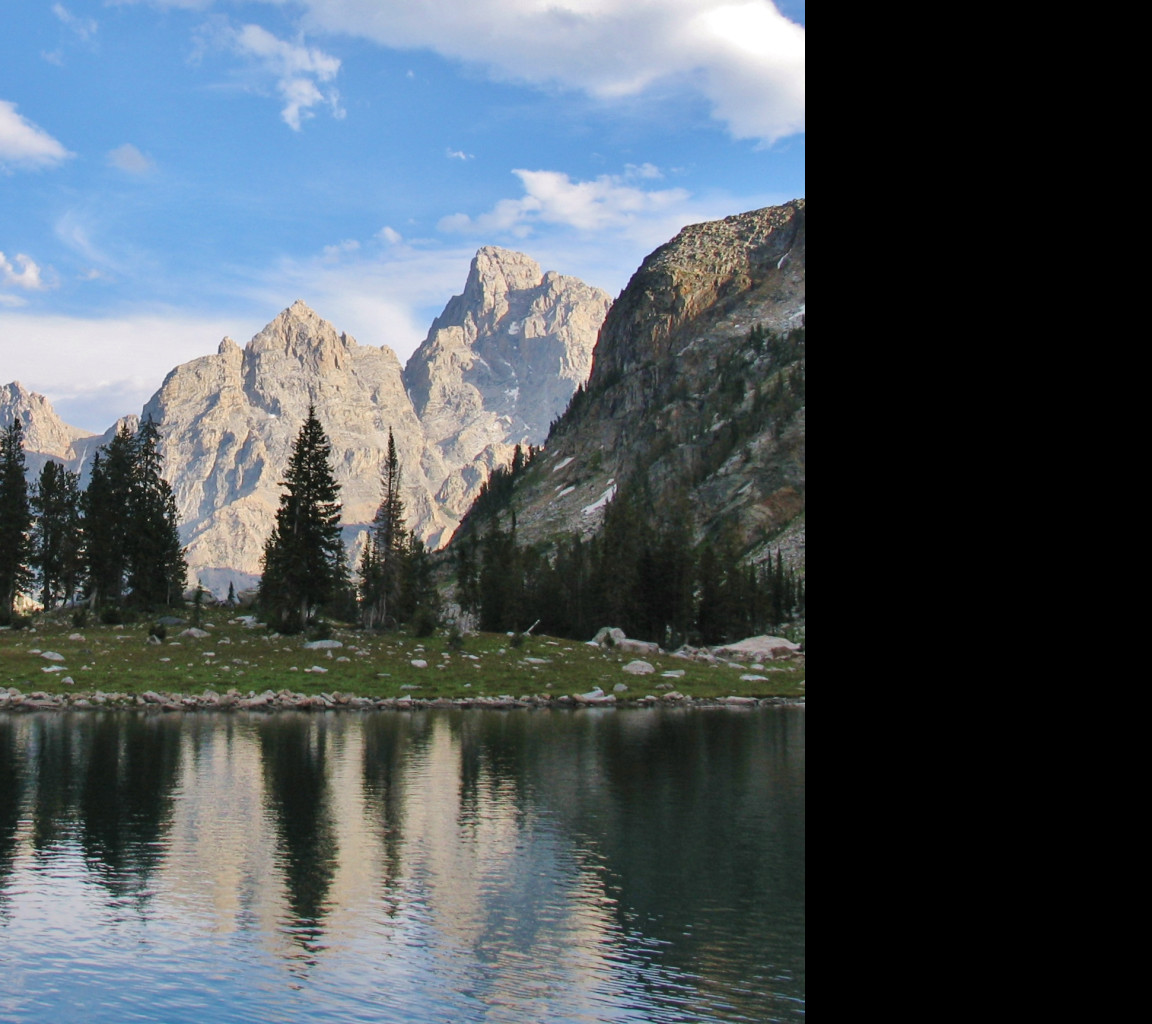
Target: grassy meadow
{"type": "Point", "coordinates": [242, 655]}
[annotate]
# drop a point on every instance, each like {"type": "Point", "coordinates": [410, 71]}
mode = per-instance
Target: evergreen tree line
{"type": "Point", "coordinates": [114, 545]}
{"type": "Point", "coordinates": [305, 568]}
{"type": "Point", "coordinates": [644, 577]}
{"type": "Point", "coordinates": [496, 491]}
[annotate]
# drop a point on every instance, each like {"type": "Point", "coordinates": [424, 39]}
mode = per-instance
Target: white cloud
{"type": "Point", "coordinates": [744, 56]}
{"type": "Point", "coordinates": [456, 154]}
{"type": "Point", "coordinates": [95, 370]}
{"type": "Point", "coordinates": [605, 204]}
{"type": "Point", "coordinates": [297, 70]}
{"type": "Point", "coordinates": [129, 159]}
{"type": "Point", "coordinates": [27, 277]}
{"type": "Point", "coordinates": [389, 235]}
{"type": "Point", "coordinates": [24, 145]}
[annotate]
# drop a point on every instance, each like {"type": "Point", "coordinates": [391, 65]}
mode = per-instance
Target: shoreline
{"type": "Point", "coordinates": [286, 700]}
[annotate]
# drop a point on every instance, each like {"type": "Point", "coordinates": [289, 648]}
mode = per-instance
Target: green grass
{"type": "Point", "coordinates": [119, 659]}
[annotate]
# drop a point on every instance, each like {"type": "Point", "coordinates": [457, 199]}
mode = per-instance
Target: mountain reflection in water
{"type": "Point", "coordinates": [447, 865]}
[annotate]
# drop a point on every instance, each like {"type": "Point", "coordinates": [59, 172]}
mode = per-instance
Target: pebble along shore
{"type": "Point", "coordinates": [13, 699]}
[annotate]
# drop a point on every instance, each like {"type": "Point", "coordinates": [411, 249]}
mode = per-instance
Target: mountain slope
{"type": "Point", "coordinates": [695, 395]}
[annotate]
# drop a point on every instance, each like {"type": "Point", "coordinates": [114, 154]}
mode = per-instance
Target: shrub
{"type": "Point", "coordinates": [320, 630]}
{"type": "Point", "coordinates": [424, 621]}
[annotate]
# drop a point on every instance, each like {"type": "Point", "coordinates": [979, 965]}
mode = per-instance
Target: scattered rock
{"type": "Point", "coordinates": [594, 696]}
{"type": "Point", "coordinates": [608, 636]}
{"type": "Point", "coordinates": [322, 645]}
{"type": "Point", "coordinates": [757, 648]}
{"type": "Point", "coordinates": [639, 668]}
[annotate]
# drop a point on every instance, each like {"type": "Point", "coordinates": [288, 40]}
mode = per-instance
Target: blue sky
{"type": "Point", "coordinates": [174, 171]}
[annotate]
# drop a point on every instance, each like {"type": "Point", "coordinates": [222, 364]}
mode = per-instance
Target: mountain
{"type": "Point", "coordinates": [498, 365]}
{"type": "Point", "coordinates": [47, 436]}
{"type": "Point", "coordinates": [695, 394]}
{"type": "Point", "coordinates": [228, 422]}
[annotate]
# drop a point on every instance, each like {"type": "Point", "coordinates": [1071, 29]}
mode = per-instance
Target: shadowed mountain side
{"type": "Point", "coordinates": [695, 395]}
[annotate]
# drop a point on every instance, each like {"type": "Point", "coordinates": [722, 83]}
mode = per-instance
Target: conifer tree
{"type": "Point", "coordinates": [15, 519]}
{"type": "Point", "coordinates": [56, 533]}
{"type": "Point", "coordinates": [418, 601]}
{"type": "Point", "coordinates": [157, 572]}
{"type": "Point", "coordinates": [106, 519]}
{"type": "Point", "coordinates": [381, 565]}
{"type": "Point", "coordinates": [304, 561]}
{"type": "Point", "coordinates": [468, 573]}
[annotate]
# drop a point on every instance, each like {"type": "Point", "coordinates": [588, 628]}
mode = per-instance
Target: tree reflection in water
{"type": "Point", "coordinates": [11, 784]}
{"type": "Point", "coordinates": [129, 765]}
{"type": "Point", "coordinates": [293, 748]}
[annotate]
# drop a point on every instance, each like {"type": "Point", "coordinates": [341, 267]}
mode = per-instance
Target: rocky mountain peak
{"type": "Point", "coordinates": [44, 431]}
{"type": "Point", "coordinates": [495, 275]}
{"type": "Point", "coordinates": [499, 364]}
{"type": "Point", "coordinates": [705, 267]}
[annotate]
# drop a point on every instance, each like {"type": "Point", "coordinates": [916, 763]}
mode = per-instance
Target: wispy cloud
{"type": "Point", "coordinates": [24, 145]}
{"type": "Point", "coordinates": [456, 154]}
{"type": "Point", "coordinates": [334, 253]}
{"type": "Point", "coordinates": [82, 28]}
{"type": "Point", "coordinates": [607, 203]}
{"type": "Point", "coordinates": [129, 159]}
{"type": "Point", "coordinates": [74, 229]}
{"type": "Point", "coordinates": [298, 70]}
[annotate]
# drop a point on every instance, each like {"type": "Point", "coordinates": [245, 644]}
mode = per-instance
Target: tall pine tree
{"type": "Point", "coordinates": [157, 572]}
{"type": "Point", "coordinates": [56, 534]}
{"type": "Point", "coordinates": [106, 521]}
{"type": "Point", "coordinates": [304, 561]}
{"type": "Point", "coordinates": [15, 520]}
{"type": "Point", "coordinates": [381, 565]}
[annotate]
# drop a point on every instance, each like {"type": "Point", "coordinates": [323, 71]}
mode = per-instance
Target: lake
{"type": "Point", "coordinates": [433, 866]}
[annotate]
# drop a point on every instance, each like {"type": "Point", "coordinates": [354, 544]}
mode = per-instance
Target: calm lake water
{"type": "Point", "coordinates": [454, 866]}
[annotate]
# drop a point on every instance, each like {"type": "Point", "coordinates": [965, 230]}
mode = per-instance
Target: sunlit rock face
{"type": "Point", "coordinates": [499, 364]}
{"type": "Point", "coordinates": [44, 432]}
{"type": "Point", "coordinates": [497, 367]}
{"type": "Point", "coordinates": [229, 420]}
